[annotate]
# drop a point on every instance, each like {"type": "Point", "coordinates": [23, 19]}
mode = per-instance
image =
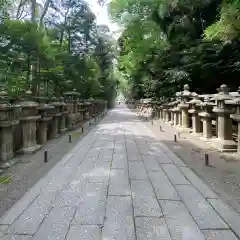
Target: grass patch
{"type": "Point", "coordinates": [5, 180]}
{"type": "Point", "coordinates": [76, 134]}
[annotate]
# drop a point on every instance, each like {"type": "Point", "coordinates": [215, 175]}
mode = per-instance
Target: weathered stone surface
{"type": "Point", "coordinates": [145, 206]}
{"type": "Point", "coordinates": [119, 161]}
{"type": "Point", "coordinates": [98, 174]}
{"type": "Point", "coordinates": [17, 237]}
{"type": "Point", "coordinates": [68, 198]}
{"type": "Point", "coordinates": [151, 162]}
{"type": "Point", "coordinates": [96, 190]}
{"type": "Point", "coordinates": [137, 170]}
{"type": "Point", "coordinates": [151, 229]}
{"type": "Point", "coordinates": [120, 149]}
{"type": "Point", "coordinates": [86, 232]}
{"type": "Point", "coordinates": [134, 157]}
{"type": "Point", "coordinates": [172, 156]}
{"type": "Point", "coordinates": [179, 221]}
{"type": "Point", "coordinates": [232, 218]}
{"type": "Point", "coordinates": [3, 229]}
{"type": "Point", "coordinates": [205, 216]}
{"type": "Point", "coordinates": [91, 212]}
{"type": "Point", "coordinates": [219, 235]}
{"type": "Point", "coordinates": [29, 222]}
{"type": "Point", "coordinates": [198, 183]}
{"type": "Point", "coordinates": [119, 182]}
{"type": "Point", "coordinates": [162, 186]}
{"type": "Point", "coordinates": [142, 188]}
{"type": "Point", "coordinates": [119, 219]}
{"type": "Point", "coordinates": [174, 174]}
{"type": "Point", "coordinates": [56, 225]}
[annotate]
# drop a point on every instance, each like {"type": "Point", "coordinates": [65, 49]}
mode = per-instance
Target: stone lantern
{"type": "Point", "coordinates": [196, 121]}
{"type": "Point", "coordinates": [87, 105]}
{"type": "Point", "coordinates": [166, 114]}
{"type": "Point", "coordinates": [44, 111]}
{"type": "Point", "coordinates": [171, 110]}
{"type": "Point", "coordinates": [28, 120]}
{"type": "Point", "coordinates": [207, 115]}
{"type": "Point", "coordinates": [178, 114]}
{"type": "Point", "coordinates": [236, 117]}
{"type": "Point", "coordinates": [224, 140]}
{"type": "Point", "coordinates": [63, 110]}
{"type": "Point", "coordinates": [184, 106]}
{"type": "Point", "coordinates": [7, 120]}
{"type": "Point", "coordinates": [56, 116]}
{"type": "Point", "coordinates": [81, 110]}
{"type": "Point", "coordinates": [71, 98]}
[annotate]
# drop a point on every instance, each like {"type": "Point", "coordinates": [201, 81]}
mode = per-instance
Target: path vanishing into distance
{"type": "Point", "coordinates": [120, 183]}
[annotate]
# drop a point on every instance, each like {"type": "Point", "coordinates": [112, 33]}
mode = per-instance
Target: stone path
{"type": "Point", "coordinates": [120, 183]}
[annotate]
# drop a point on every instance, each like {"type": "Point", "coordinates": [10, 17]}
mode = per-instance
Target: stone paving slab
{"type": "Point", "coordinates": [174, 174]}
{"type": "Point", "coordinates": [162, 186]}
{"type": "Point", "coordinates": [120, 183]}
{"type": "Point", "coordinates": [219, 235]}
{"type": "Point", "coordinates": [142, 188]}
{"type": "Point", "coordinates": [231, 217]}
{"type": "Point", "coordinates": [56, 225]}
{"type": "Point", "coordinates": [89, 232]}
{"type": "Point", "coordinates": [179, 221]}
{"type": "Point", "coordinates": [151, 229]}
{"type": "Point", "coordinates": [137, 170]}
{"type": "Point", "coordinates": [200, 209]}
{"type": "Point", "coordinates": [29, 222]}
{"type": "Point", "coordinates": [198, 183]}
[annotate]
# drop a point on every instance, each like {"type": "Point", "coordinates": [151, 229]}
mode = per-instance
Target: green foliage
{"type": "Point", "coordinates": [53, 54]}
{"type": "Point", "coordinates": [166, 44]}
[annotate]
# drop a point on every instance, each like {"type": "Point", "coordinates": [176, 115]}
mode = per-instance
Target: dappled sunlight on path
{"type": "Point", "coordinates": [120, 182]}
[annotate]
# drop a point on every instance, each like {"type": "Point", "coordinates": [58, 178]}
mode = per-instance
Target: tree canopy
{"type": "Point", "coordinates": [54, 46]}
{"type": "Point", "coordinates": [166, 44]}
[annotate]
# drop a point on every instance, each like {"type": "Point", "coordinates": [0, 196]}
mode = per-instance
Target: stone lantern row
{"type": "Point", "coordinates": [199, 113]}
{"type": "Point", "coordinates": [41, 119]}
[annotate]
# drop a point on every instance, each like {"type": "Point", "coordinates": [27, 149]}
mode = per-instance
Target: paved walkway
{"type": "Point", "coordinates": [120, 183]}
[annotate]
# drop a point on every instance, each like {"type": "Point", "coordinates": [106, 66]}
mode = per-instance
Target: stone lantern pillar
{"type": "Point", "coordinates": [44, 111]}
{"type": "Point", "coordinates": [71, 107]}
{"type": "Point", "coordinates": [28, 120]}
{"type": "Point", "coordinates": [236, 117]}
{"type": "Point", "coordinates": [63, 110]}
{"type": "Point", "coordinates": [81, 111]}
{"type": "Point", "coordinates": [87, 109]}
{"type": "Point", "coordinates": [224, 140]}
{"type": "Point", "coordinates": [171, 112]}
{"type": "Point", "coordinates": [91, 106]}
{"type": "Point", "coordinates": [56, 117]}
{"type": "Point", "coordinates": [166, 116]}
{"type": "Point", "coordinates": [175, 113]}
{"type": "Point", "coordinates": [196, 121]}
{"type": "Point", "coordinates": [7, 120]}
{"type": "Point", "coordinates": [207, 115]}
{"type": "Point", "coordinates": [184, 106]}
{"type": "Point", "coordinates": [161, 113]}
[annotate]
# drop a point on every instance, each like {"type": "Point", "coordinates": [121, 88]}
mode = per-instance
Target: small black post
{"type": "Point", "coordinates": [82, 129]}
{"type": "Point", "coordinates": [70, 138]}
{"type": "Point", "coordinates": [45, 156]}
{"type": "Point", "coordinates": [160, 127]}
{"type": "Point", "coordinates": [152, 121]}
{"type": "Point", "coordinates": [206, 159]}
{"type": "Point", "coordinates": [175, 138]}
